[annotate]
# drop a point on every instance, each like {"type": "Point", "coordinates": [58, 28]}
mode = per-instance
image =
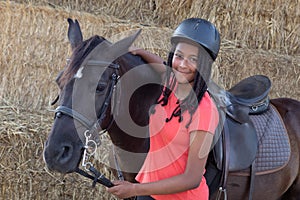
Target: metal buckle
{"type": "Point", "coordinates": [90, 148]}
{"type": "Point", "coordinates": [220, 192]}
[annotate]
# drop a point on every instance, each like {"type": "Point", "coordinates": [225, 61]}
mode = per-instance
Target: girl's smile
{"type": "Point", "coordinates": [185, 62]}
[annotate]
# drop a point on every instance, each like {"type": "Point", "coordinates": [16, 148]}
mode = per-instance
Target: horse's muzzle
{"type": "Point", "coordinates": [63, 158]}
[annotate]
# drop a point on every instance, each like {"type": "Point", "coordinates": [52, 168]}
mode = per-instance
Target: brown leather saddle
{"type": "Point", "coordinates": [236, 146]}
{"type": "Point", "coordinates": [238, 143]}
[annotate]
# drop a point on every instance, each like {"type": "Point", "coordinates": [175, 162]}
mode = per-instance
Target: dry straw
{"type": "Point", "coordinates": [265, 24]}
{"type": "Point", "coordinates": [258, 37]}
{"type": "Point", "coordinates": [35, 48]}
{"type": "Point", "coordinates": [23, 172]}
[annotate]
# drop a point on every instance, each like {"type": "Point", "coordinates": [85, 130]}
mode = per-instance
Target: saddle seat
{"type": "Point", "coordinates": [251, 92]}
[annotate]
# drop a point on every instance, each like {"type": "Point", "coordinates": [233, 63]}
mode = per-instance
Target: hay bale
{"type": "Point", "coordinates": [256, 24]}
{"type": "Point", "coordinates": [269, 25]}
{"type": "Point", "coordinates": [35, 47]}
{"type": "Point", "coordinates": [23, 172]}
{"type": "Point", "coordinates": [234, 64]}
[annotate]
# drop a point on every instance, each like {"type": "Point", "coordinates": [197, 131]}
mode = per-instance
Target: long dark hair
{"type": "Point", "coordinates": [191, 102]}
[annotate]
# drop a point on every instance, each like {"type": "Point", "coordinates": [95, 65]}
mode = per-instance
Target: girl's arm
{"type": "Point", "coordinates": [198, 151]}
{"type": "Point", "coordinates": [156, 61]}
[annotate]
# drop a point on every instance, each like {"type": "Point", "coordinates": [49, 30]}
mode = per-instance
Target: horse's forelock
{"type": "Point", "coordinates": [78, 56]}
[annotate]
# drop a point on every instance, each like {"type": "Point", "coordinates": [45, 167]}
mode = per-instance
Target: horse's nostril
{"type": "Point", "coordinates": [66, 151]}
{"type": "Point", "coordinates": [65, 154]}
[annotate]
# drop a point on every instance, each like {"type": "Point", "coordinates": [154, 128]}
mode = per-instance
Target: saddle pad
{"type": "Point", "coordinates": [274, 146]}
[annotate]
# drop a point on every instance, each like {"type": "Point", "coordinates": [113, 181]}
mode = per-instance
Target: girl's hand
{"type": "Point", "coordinates": [122, 189]}
{"type": "Point", "coordinates": [134, 50]}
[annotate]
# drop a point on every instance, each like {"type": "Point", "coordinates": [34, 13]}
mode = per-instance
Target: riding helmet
{"type": "Point", "coordinates": [200, 31]}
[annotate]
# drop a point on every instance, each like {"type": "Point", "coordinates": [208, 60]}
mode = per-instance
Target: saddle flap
{"type": "Point", "coordinates": [242, 146]}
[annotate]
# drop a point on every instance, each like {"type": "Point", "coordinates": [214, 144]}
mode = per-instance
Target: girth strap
{"type": "Point", "coordinates": [252, 177]}
{"type": "Point", "coordinates": [225, 166]}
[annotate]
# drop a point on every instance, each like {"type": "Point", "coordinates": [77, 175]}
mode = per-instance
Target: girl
{"type": "Point", "coordinates": [183, 121]}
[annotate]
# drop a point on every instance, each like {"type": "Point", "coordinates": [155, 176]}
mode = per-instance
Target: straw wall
{"type": "Point", "coordinates": [258, 37]}
{"type": "Point", "coordinates": [265, 24]}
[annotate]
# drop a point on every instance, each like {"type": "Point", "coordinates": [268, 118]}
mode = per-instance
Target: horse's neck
{"type": "Point", "coordinates": [134, 97]}
{"type": "Point", "coordinates": [138, 70]}
{"type": "Point", "coordinates": [140, 88]}
{"type": "Point", "coordinates": [135, 74]}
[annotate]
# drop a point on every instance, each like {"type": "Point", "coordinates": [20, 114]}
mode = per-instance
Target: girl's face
{"type": "Point", "coordinates": [184, 62]}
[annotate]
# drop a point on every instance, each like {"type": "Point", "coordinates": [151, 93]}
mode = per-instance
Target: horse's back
{"type": "Point", "coordinates": [286, 104]}
{"type": "Point", "coordinates": [289, 110]}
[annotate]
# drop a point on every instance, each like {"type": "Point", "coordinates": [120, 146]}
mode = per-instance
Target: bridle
{"type": "Point", "coordinates": [94, 129]}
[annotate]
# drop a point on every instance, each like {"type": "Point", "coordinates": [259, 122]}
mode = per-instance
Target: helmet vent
{"type": "Point", "coordinates": [197, 24]}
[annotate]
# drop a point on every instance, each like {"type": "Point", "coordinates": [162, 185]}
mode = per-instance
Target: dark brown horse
{"type": "Point", "coordinates": [105, 88]}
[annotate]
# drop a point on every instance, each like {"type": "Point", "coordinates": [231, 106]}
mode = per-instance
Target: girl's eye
{"type": "Point", "coordinates": [193, 60]}
{"type": "Point", "coordinates": [101, 87]}
{"type": "Point", "coordinates": [179, 55]}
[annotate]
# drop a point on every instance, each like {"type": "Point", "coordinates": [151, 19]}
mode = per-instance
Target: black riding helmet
{"type": "Point", "coordinates": [200, 31]}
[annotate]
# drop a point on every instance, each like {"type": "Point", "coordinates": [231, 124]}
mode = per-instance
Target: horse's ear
{"type": "Point", "coordinates": [74, 33]}
{"type": "Point", "coordinates": [108, 52]}
{"type": "Point", "coordinates": [121, 47]}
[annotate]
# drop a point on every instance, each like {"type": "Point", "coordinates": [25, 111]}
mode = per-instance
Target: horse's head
{"type": "Point", "coordinates": [87, 85]}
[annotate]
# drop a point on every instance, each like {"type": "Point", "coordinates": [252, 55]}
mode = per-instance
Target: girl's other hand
{"type": "Point", "coordinates": [122, 189]}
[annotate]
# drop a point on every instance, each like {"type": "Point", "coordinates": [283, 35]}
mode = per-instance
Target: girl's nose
{"type": "Point", "coordinates": [183, 63]}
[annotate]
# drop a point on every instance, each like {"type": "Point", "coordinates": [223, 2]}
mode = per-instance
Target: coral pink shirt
{"type": "Point", "coordinates": [169, 145]}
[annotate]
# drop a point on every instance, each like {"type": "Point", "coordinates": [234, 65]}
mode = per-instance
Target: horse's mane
{"type": "Point", "coordinates": [78, 56]}
{"type": "Point", "coordinates": [127, 61]}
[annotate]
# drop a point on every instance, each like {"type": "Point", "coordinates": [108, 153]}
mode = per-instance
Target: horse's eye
{"type": "Point", "coordinates": [100, 87]}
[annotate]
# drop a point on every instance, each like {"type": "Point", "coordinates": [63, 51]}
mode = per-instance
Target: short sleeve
{"type": "Point", "coordinates": [206, 116]}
